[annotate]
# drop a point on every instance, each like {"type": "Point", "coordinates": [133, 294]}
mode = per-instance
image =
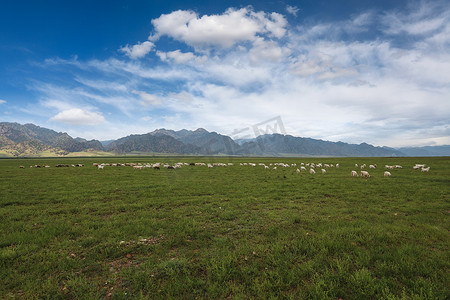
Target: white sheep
{"type": "Point", "coordinates": [324, 171]}
{"type": "Point", "coordinates": [311, 171]}
{"type": "Point", "coordinates": [354, 174]}
{"type": "Point", "coordinates": [387, 174]}
{"type": "Point", "coordinates": [425, 169]}
{"type": "Point", "coordinates": [298, 171]}
{"type": "Point", "coordinates": [365, 174]}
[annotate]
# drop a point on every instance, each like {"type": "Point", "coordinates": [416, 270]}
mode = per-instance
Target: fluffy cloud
{"type": "Point", "coordinates": [218, 30]}
{"type": "Point", "coordinates": [2, 101]}
{"type": "Point", "coordinates": [137, 51]}
{"type": "Point", "coordinates": [77, 116]}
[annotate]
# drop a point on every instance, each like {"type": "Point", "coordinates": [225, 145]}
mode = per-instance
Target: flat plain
{"type": "Point", "coordinates": [224, 232]}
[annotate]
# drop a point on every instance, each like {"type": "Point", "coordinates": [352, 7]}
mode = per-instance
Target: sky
{"type": "Point", "coordinates": [352, 70]}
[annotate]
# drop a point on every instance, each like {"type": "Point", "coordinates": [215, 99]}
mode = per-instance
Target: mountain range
{"type": "Point", "coordinates": [31, 140]}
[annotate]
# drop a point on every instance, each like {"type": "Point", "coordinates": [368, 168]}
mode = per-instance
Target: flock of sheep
{"type": "Point", "coordinates": [365, 174]}
{"type": "Point", "coordinates": [302, 167]}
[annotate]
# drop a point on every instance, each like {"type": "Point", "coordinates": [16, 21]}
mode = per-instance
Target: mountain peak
{"type": "Point", "coordinates": [201, 130]}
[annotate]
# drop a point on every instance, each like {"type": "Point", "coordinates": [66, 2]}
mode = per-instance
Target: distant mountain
{"type": "Point", "coordinates": [32, 140]}
{"type": "Point", "coordinates": [150, 143]}
{"type": "Point", "coordinates": [426, 151]}
{"type": "Point", "coordinates": [274, 144]}
{"type": "Point", "coordinates": [207, 143]}
{"type": "Point", "coordinates": [14, 135]}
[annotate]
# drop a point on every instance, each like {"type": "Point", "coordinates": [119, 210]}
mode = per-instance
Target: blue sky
{"type": "Point", "coordinates": [353, 71]}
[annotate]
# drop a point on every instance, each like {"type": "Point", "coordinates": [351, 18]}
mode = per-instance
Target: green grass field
{"type": "Point", "coordinates": [226, 232]}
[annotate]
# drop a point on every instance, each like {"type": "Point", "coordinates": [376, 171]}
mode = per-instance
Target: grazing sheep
{"type": "Point", "coordinates": [387, 174]}
{"type": "Point", "coordinates": [363, 166]}
{"type": "Point", "coordinates": [337, 165]}
{"type": "Point", "coordinates": [100, 167]}
{"type": "Point", "coordinates": [302, 168]}
{"type": "Point", "coordinates": [365, 174]}
{"type": "Point", "coordinates": [324, 171]}
{"type": "Point", "coordinates": [419, 166]}
{"type": "Point", "coordinates": [311, 171]}
{"type": "Point", "coordinates": [356, 165]}
{"type": "Point", "coordinates": [425, 169]}
{"type": "Point", "coordinates": [298, 171]}
{"type": "Point", "coordinates": [372, 167]}
{"type": "Point", "coordinates": [355, 174]}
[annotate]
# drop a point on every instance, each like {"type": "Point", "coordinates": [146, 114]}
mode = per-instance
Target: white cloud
{"type": "Point", "coordinates": [425, 19]}
{"type": "Point", "coordinates": [2, 101]}
{"type": "Point", "coordinates": [293, 10]}
{"type": "Point", "coordinates": [223, 31]}
{"type": "Point", "coordinates": [137, 51]}
{"type": "Point", "coordinates": [77, 116]}
{"type": "Point", "coordinates": [267, 51]}
{"type": "Point", "coordinates": [148, 99]}
{"type": "Point", "coordinates": [177, 56]}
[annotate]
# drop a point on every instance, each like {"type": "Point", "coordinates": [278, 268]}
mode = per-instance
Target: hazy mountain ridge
{"type": "Point", "coordinates": [426, 151]}
{"type": "Point", "coordinates": [29, 139]}
{"type": "Point", "coordinates": [277, 143]}
{"type": "Point", "coordinates": [35, 139]}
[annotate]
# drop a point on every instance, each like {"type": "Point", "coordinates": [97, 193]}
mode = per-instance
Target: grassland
{"type": "Point", "coordinates": [227, 232]}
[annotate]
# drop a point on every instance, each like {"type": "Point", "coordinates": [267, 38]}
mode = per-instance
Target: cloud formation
{"type": "Point", "coordinates": [137, 51]}
{"type": "Point", "coordinates": [293, 10]}
{"type": "Point", "coordinates": [77, 116]}
{"type": "Point", "coordinates": [344, 80]}
{"type": "Point", "coordinates": [148, 99]}
{"type": "Point", "coordinates": [222, 31]}
{"type": "Point", "coordinates": [2, 101]}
